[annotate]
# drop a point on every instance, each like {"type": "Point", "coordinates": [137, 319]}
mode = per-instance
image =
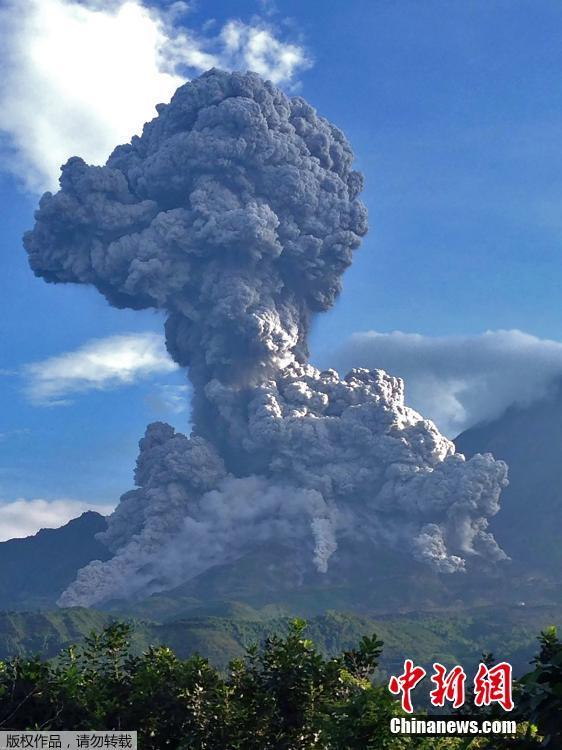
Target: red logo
{"type": "Point", "coordinates": [405, 683]}
{"type": "Point", "coordinates": [491, 685]}
{"type": "Point", "coordinates": [449, 686]}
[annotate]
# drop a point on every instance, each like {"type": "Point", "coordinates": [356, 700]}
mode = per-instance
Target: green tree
{"type": "Point", "coordinates": [283, 695]}
{"type": "Point", "coordinates": [539, 698]}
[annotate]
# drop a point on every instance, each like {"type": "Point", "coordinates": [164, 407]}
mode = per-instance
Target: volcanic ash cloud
{"type": "Point", "coordinates": [236, 212]}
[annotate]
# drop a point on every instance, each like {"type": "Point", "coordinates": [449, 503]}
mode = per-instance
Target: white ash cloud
{"type": "Point", "coordinates": [199, 516]}
{"type": "Point", "coordinates": [237, 213]}
{"type": "Point", "coordinates": [459, 381]}
{"type": "Point", "coordinates": [78, 77]}
{"type": "Point", "coordinates": [97, 365]}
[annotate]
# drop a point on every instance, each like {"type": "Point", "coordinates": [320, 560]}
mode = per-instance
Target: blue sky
{"type": "Point", "coordinates": [454, 112]}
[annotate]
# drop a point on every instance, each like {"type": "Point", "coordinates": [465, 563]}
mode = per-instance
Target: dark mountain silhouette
{"type": "Point", "coordinates": [34, 571]}
{"type": "Point", "coordinates": [529, 439]}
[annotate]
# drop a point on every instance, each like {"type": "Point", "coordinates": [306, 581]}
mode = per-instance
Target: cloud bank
{"type": "Point", "coordinates": [78, 77]}
{"type": "Point", "coordinates": [459, 381]}
{"type": "Point", "coordinates": [99, 364]}
{"type": "Point", "coordinates": [237, 213]}
{"type": "Point", "coordinates": [20, 518]}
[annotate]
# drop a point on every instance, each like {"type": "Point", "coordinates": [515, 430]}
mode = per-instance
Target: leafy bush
{"type": "Point", "coordinates": [284, 695]}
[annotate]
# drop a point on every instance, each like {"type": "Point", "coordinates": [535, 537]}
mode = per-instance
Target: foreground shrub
{"type": "Point", "coordinates": [284, 695]}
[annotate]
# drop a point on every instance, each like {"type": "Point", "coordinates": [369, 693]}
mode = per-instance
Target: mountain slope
{"type": "Point", "coordinates": [46, 633]}
{"type": "Point", "coordinates": [455, 637]}
{"type": "Point", "coordinates": [529, 439]}
{"type": "Point", "coordinates": [369, 581]}
{"type": "Point", "coordinates": [34, 571]}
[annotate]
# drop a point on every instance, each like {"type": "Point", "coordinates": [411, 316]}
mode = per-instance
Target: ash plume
{"type": "Point", "coordinates": [237, 212]}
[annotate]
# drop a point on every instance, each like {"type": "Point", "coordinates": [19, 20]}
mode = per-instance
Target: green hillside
{"type": "Point", "coordinates": [425, 636]}
{"type": "Point", "coordinates": [46, 633]}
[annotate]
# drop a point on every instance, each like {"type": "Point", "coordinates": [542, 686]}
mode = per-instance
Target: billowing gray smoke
{"type": "Point", "coordinates": [236, 212]}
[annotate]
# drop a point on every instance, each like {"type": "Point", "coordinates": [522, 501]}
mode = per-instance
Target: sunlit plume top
{"type": "Point", "coordinates": [79, 77]}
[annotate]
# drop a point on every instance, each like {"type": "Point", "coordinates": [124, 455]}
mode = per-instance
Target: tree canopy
{"type": "Point", "coordinates": [282, 695]}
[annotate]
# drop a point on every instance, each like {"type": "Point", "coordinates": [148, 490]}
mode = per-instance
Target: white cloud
{"type": "Point", "coordinates": [98, 365]}
{"type": "Point", "coordinates": [21, 518]}
{"type": "Point", "coordinates": [255, 48]}
{"type": "Point", "coordinates": [78, 78]}
{"type": "Point", "coordinates": [459, 381]}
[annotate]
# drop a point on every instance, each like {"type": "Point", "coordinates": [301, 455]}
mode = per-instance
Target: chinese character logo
{"type": "Point", "coordinates": [449, 686]}
{"type": "Point", "coordinates": [405, 683]}
{"type": "Point", "coordinates": [491, 685]}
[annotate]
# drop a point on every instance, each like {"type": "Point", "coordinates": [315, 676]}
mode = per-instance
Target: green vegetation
{"type": "Point", "coordinates": [540, 698]}
{"type": "Point", "coordinates": [224, 630]}
{"type": "Point", "coordinates": [282, 695]}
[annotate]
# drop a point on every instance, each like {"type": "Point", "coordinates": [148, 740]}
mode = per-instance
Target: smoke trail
{"type": "Point", "coordinates": [237, 213]}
